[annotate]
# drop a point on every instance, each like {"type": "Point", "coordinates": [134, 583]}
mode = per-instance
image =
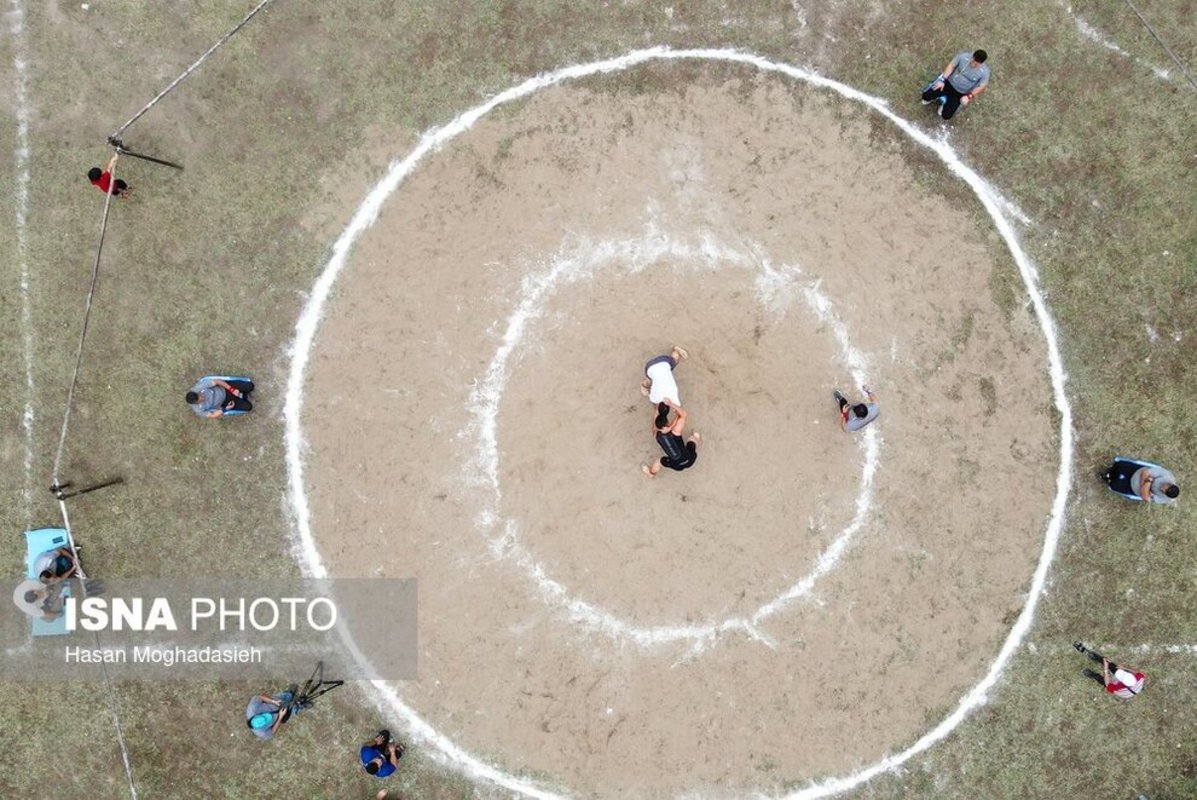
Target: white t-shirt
{"type": "Point", "coordinates": [663, 387]}
{"type": "Point", "coordinates": [1133, 684]}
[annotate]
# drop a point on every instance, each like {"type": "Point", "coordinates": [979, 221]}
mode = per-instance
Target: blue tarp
{"type": "Point", "coordinates": [36, 543]}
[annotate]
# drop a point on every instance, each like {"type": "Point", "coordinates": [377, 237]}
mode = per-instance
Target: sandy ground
{"type": "Point", "coordinates": [701, 217]}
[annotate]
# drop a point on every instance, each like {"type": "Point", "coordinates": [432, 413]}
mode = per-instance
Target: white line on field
{"type": "Point", "coordinates": [1094, 35]}
{"type": "Point", "coordinates": [434, 139]}
{"type": "Point", "coordinates": [1168, 649]}
{"type": "Point", "coordinates": [1146, 649]}
{"type": "Point", "coordinates": [16, 26]}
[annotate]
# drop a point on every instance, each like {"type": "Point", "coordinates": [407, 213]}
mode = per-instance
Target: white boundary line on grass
{"type": "Point", "coordinates": [432, 141]}
{"type": "Point", "coordinates": [21, 157]}
{"type": "Point", "coordinates": [637, 254]}
{"type": "Point", "coordinates": [1144, 649]}
{"type": "Point", "coordinates": [1094, 35]}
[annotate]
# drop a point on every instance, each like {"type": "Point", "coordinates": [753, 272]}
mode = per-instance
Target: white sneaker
{"type": "Point", "coordinates": [939, 109]}
{"type": "Point", "coordinates": [928, 102]}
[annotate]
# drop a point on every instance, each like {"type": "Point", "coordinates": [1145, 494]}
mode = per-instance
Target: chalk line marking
{"type": "Point", "coordinates": [1145, 649]}
{"type": "Point", "coordinates": [579, 263]}
{"type": "Point", "coordinates": [16, 26]}
{"type": "Point", "coordinates": [309, 318]}
{"type": "Point", "coordinates": [1094, 35]}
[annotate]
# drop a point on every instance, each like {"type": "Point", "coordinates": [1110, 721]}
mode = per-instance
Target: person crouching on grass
{"type": "Point", "coordinates": [1119, 681]}
{"type": "Point", "coordinates": [216, 397]}
{"type": "Point", "coordinates": [680, 453]}
{"type": "Point", "coordinates": [380, 756]}
{"type": "Point", "coordinates": [102, 180]}
{"type": "Point", "coordinates": [964, 77]}
{"type": "Point", "coordinates": [264, 715]}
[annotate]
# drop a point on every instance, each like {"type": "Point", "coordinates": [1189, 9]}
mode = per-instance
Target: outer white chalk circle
{"type": "Point", "coordinates": [999, 210]}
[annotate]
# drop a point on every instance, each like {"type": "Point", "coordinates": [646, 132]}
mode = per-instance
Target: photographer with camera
{"type": "Point", "coordinates": [264, 715]}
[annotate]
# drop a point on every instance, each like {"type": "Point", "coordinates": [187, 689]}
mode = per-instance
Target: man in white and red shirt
{"type": "Point", "coordinates": [1119, 681]}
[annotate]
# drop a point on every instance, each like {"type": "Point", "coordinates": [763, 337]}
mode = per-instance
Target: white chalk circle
{"type": "Point", "coordinates": [637, 254]}
{"type": "Point", "coordinates": [306, 327]}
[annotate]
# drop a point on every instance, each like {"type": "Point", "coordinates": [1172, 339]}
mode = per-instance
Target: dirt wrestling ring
{"type": "Point", "coordinates": [802, 604]}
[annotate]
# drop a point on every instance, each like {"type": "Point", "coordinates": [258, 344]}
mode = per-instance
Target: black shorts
{"type": "Point", "coordinates": [692, 456]}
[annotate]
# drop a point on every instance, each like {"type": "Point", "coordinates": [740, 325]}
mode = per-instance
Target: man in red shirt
{"type": "Point", "coordinates": [1119, 681]}
{"type": "Point", "coordinates": [102, 179]}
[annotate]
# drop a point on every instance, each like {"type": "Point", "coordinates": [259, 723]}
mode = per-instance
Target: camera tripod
{"type": "Point", "coordinates": [315, 687]}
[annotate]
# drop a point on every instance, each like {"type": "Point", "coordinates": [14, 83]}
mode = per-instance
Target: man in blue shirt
{"type": "Point", "coordinates": [965, 77]}
{"type": "Point", "coordinates": [380, 756]}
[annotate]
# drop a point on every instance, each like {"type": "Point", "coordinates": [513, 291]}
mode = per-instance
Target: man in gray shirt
{"type": "Point", "coordinates": [965, 77]}
{"type": "Point", "coordinates": [855, 417]}
{"type": "Point", "coordinates": [1141, 480]}
{"type": "Point", "coordinates": [264, 715]}
{"type": "Point", "coordinates": [213, 396]}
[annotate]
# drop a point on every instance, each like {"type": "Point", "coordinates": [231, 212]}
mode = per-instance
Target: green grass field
{"type": "Point", "coordinates": [282, 131]}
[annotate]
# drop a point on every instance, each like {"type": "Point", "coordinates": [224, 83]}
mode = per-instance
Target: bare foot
{"type": "Point", "coordinates": [696, 436]}
{"type": "Point", "coordinates": [644, 468]}
{"type": "Point", "coordinates": [679, 353]}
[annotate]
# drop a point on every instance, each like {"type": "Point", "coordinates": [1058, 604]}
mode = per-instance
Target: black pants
{"type": "Point", "coordinates": [1098, 676]}
{"type": "Point", "coordinates": [240, 403]}
{"type": "Point", "coordinates": [1118, 476]}
{"type": "Point", "coordinates": [685, 462]}
{"type": "Point", "coordinates": [951, 98]}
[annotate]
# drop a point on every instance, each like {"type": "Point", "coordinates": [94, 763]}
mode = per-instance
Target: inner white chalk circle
{"type": "Point", "coordinates": [774, 288]}
{"type": "Point", "coordinates": [999, 209]}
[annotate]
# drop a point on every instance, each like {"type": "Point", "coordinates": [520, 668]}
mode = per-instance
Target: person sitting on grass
{"type": "Point", "coordinates": [964, 77]}
{"type": "Point", "coordinates": [264, 715]}
{"type": "Point", "coordinates": [1148, 482]}
{"type": "Point", "coordinates": [55, 565]}
{"type": "Point", "coordinates": [380, 756]}
{"type": "Point", "coordinates": [102, 180]}
{"type": "Point", "coordinates": [215, 397]}
{"type": "Point", "coordinates": [40, 601]}
{"type": "Point", "coordinates": [1119, 681]}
